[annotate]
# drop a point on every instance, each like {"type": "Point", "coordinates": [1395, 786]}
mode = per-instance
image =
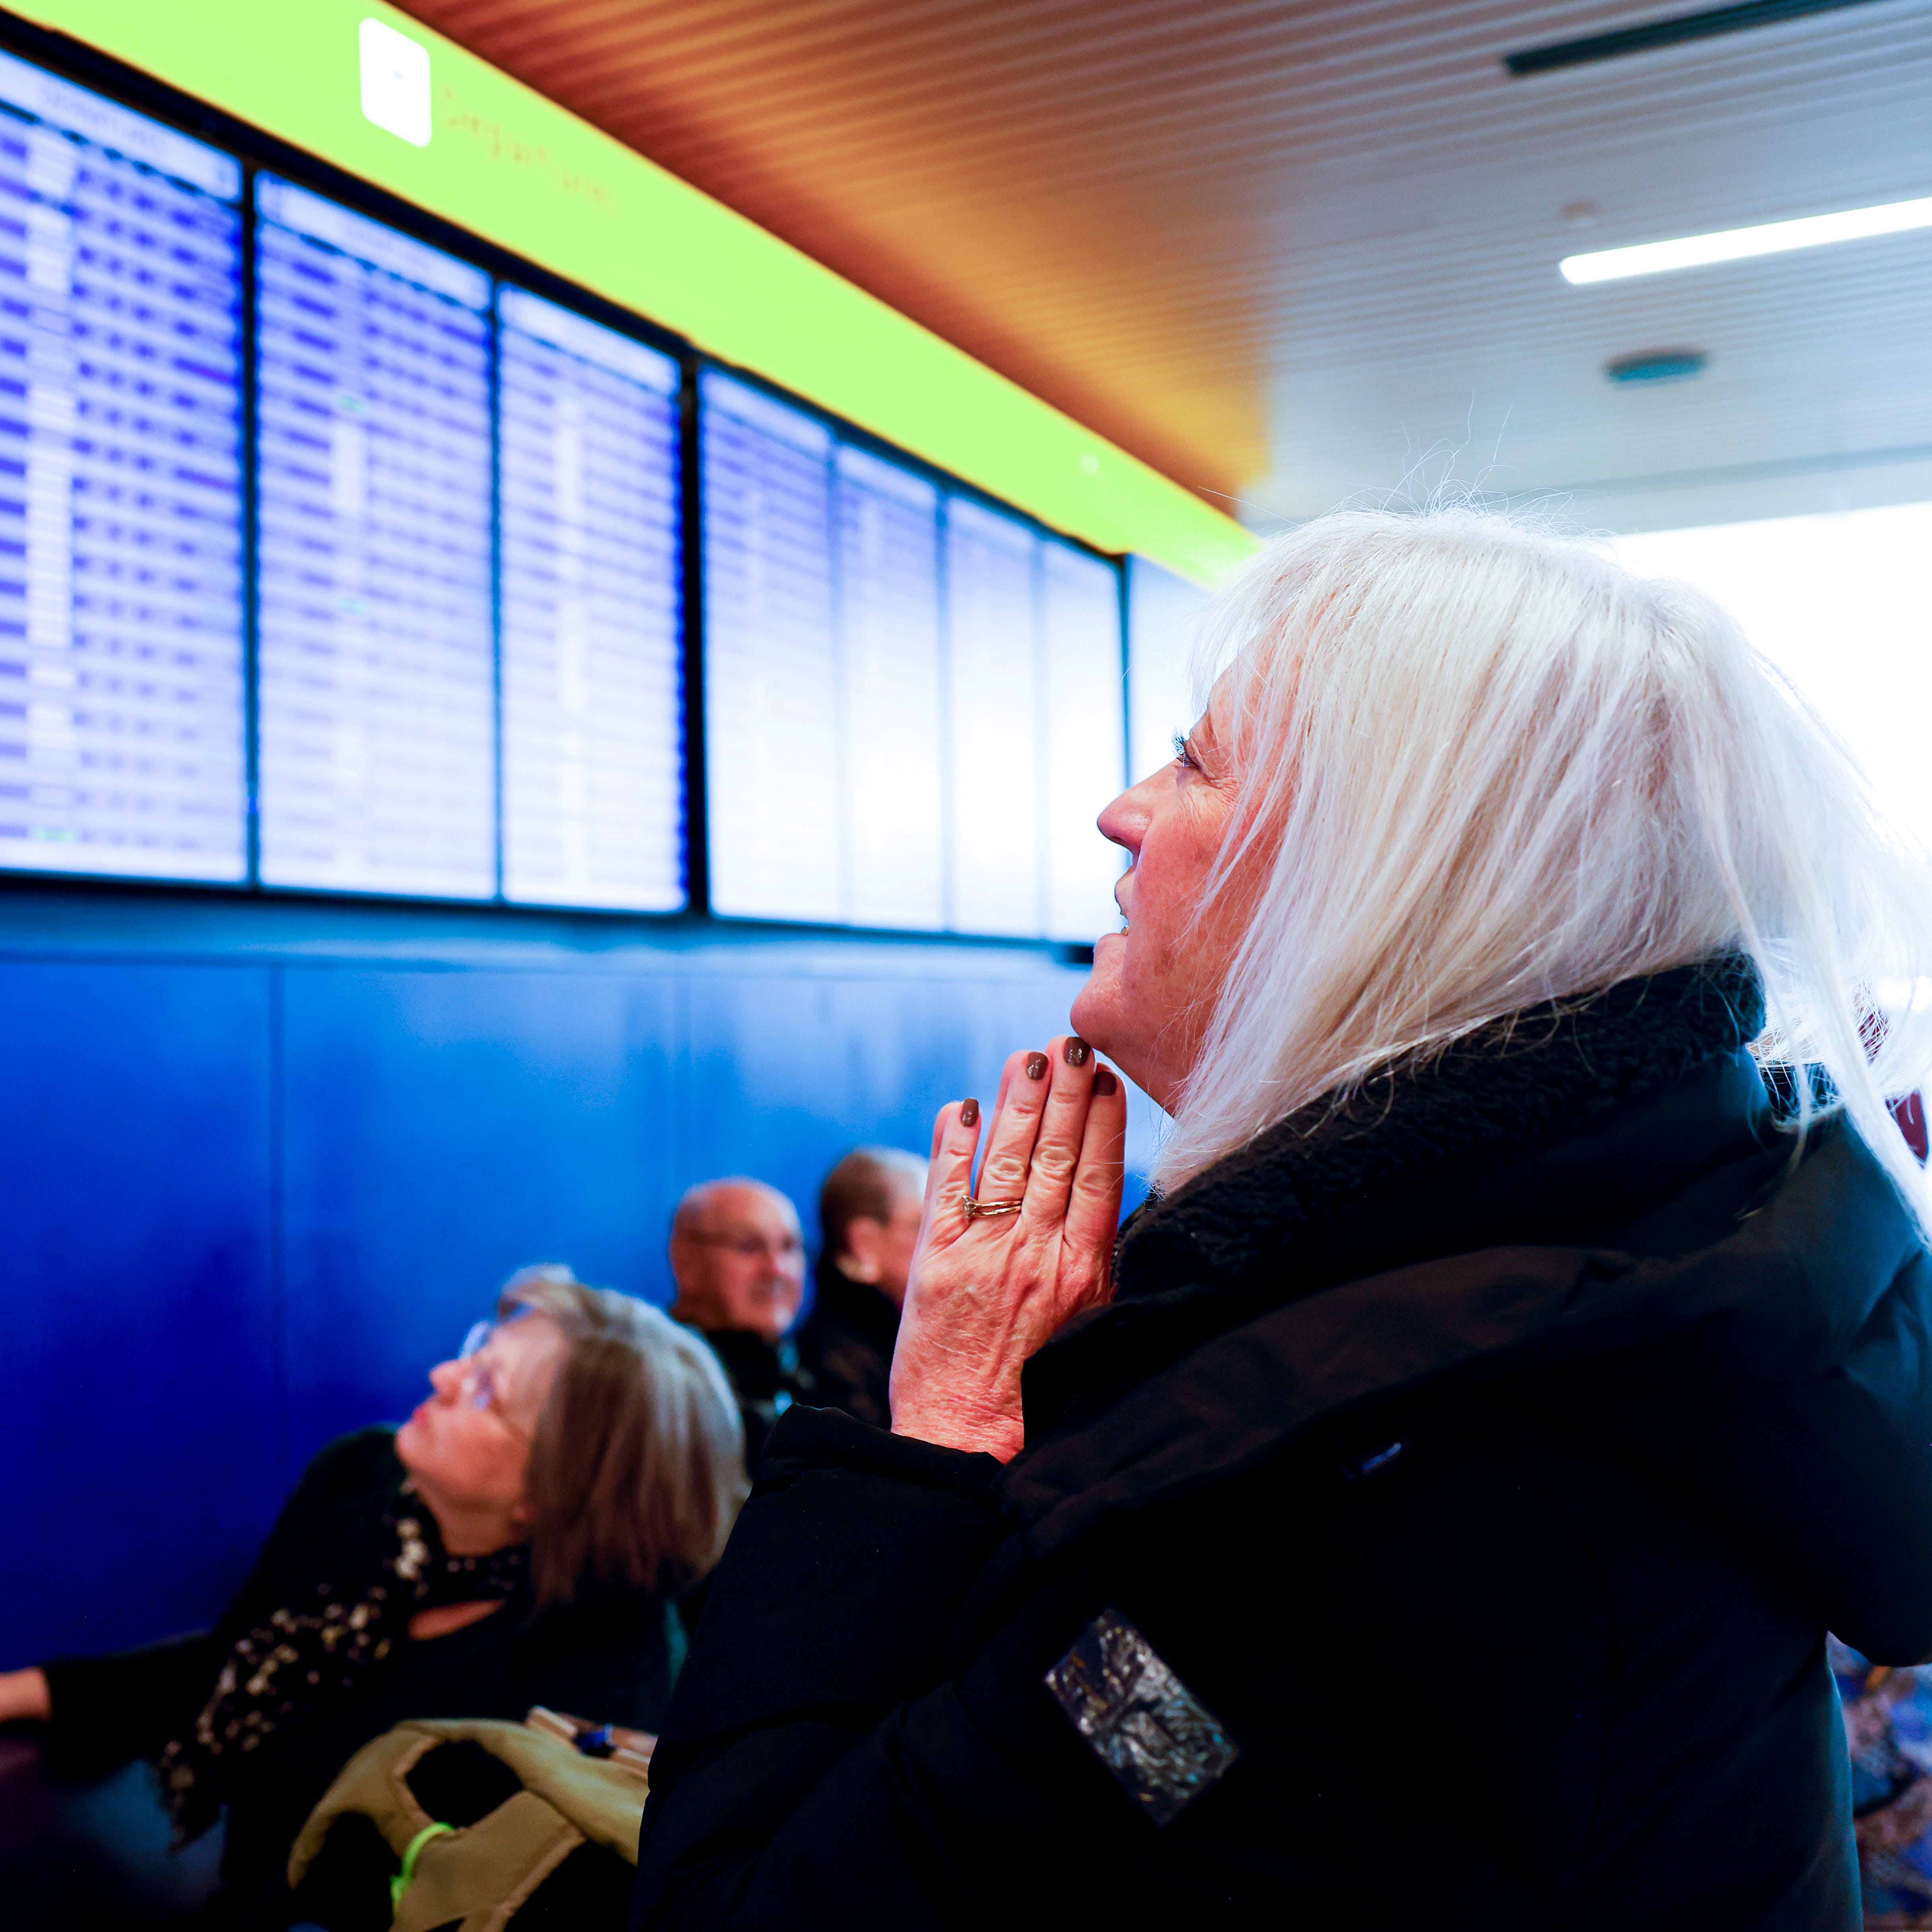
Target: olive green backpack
{"type": "Point", "coordinates": [542, 1832]}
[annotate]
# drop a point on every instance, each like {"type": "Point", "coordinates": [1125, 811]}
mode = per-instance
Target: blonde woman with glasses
{"type": "Point", "coordinates": [519, 1540]}
{"type": "Point", "coordinates": [1430, 1513]}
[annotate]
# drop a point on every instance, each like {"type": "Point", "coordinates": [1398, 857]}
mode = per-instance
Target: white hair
{"type": "Point", "coordinates": [1479, 767]}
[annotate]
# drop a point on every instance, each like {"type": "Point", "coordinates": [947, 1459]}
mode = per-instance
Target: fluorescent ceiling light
{"type": "Point", "coordinates": [1737, 244]}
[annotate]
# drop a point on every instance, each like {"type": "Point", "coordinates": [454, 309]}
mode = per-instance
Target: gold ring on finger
{"type": "Point", "coordinates": [988, 1208]}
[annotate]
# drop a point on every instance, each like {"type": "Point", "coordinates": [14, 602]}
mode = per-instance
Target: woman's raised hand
{"type": "Point", "coordinates": [985, 1293]}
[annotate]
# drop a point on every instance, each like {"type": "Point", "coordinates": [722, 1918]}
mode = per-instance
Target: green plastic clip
{"type": "Point", "coordinates": [404, 1878]}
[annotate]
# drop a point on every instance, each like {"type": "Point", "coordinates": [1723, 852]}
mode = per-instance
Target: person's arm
{"type": "Point", "coordinates": [104, 1710]}
{"type": "Point", "coordinates": [23, 1694]}
{"type": "Point", "coordinates": [797, 1619]}
{"type": "Point", "coordinates": [815, 1732]}
{"type": "Point", "coordinates": [829, 1613]}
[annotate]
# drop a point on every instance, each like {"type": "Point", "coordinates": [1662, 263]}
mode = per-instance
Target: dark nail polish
{"type": "Point", "coordinates": [1035, 1067]}
{"type": "Point", "coordinates": [1077, 1051]}
{"type": "Point", "coordinates": [1105, 1084]}
{"type": "Point", "coordinates": [969, 1113]}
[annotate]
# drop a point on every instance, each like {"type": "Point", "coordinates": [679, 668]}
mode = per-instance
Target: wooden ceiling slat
{"type": "Point", "coordinates": [1189, 225]}
{"type": "Point", "coordinates": [942, 157]}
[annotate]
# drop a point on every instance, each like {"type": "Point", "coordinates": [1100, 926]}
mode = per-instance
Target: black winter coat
{"type": "Point", "coordinates": [846, 1344]}
{"type": "Point", "coordinates": [1484, 1461]}
{"type": "Point", "coordinates": [767, 1378]}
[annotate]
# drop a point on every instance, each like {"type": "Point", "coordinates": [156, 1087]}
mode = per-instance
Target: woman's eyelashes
{"type": "Point", "coordinates": [1184, 753]}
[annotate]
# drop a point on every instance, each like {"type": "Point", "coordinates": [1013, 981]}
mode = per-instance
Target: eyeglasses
{"type": "Point", "coordinates": [479, 1386]}
{"type": "Point", "coordinates": [752, 1247]}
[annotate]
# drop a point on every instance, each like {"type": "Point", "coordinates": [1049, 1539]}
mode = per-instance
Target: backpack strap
{"type": "Point", "coordinates": [480, 1873]}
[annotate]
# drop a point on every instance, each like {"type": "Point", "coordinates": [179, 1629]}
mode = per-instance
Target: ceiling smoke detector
{"type": "Point", "coordinates": [1657, 365]}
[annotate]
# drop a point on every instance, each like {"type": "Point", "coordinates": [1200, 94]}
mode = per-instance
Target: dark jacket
{"type": "Point", "coordinates": [767, 1378]}
{"type": "Point", "coordinates": [614, 1661]}
{"type": "Point", "coordinates": [1483, 1462]}
{"type": "Point", "coordinates": [846, 1344]}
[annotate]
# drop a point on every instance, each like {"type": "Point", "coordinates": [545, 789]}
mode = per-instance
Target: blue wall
{"type": "Point", "coordinates": [264, 1161]}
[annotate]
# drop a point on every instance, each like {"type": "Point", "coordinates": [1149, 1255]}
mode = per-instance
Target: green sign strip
{"type": "Point", "coordinates": [514, 168]}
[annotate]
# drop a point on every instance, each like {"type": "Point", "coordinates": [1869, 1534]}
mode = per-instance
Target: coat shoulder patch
{"type": "Point", "coordinates": [1162, 1744]}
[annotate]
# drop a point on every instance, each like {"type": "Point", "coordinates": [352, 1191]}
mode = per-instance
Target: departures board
{"type": "Point", "coordinates": [592, 668]}
{"type": "Point", "coordinates": [121, 697]}
{"type": "Point", "coordinates": [913, 701]}
{"type": "Point", "coordinates": [331, 560]}
{"type": "Point", "coordinates": [773, 749]}
{"type": "Point", "coordinates": [378, 672]}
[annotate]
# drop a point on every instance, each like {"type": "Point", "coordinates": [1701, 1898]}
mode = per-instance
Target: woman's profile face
{"type": "Point", "coordinates": [468, 1446]}
{"type": "Point", "coordinates": [1152, 992]}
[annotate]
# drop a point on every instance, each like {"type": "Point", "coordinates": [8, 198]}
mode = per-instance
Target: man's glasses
{"type": "Point", "coordinates": [753, 1247]}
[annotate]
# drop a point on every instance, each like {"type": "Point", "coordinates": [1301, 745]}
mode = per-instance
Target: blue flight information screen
{"type": "Point", "coordinates": [592, 679]}
{"type": "Point", "coordinates": [771, 668]}
{"type": "Point", "coordinates": [998, 724]}
{"type": "Point", "coordinates": [468, 676]}
{"type": "Point", "coordinates": [121, 693]}
{"type": "Point", "coordinates": [882, 659]}
{"type": "Point", "coordinates": [1083, 677]}
{"type": "Point", "coordinates": [892, 737]}
{"type": "Point", "coordinates": [377, 678]}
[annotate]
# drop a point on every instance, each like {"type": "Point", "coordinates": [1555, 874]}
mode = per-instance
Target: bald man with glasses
{"type": "Point", "coordinates": [738, 1258]}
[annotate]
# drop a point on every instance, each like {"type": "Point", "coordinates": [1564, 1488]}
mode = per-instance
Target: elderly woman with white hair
{"type": "Point", "coordinates": [1432, 1512]}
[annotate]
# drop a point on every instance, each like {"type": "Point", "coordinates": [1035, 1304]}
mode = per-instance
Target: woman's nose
{"type": "Point", "coordinates": [1124, 821]}
{"type": "Point", "coordinates": [445, 1377]}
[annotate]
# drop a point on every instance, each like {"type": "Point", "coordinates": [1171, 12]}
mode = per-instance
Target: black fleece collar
{"type": "Point", "coordinates": [1547, 1073]}
{"type": "Point", "coordinates": [1588, 1203]}
{"type": "Point", "coordinates": [1560, 1124]}
{"type": "Point", "coordinates": [1589, 1213]}
{"type": "Point", "coordinates": [1772, 1364]}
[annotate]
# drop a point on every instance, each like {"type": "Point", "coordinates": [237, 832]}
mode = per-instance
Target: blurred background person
{"type": "Point", "coordinates": [519, 1540]}
{"type": "Point", "coordinates": [738, 1258]}
{"type": "Point", "coordinates": [868, 1213]}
